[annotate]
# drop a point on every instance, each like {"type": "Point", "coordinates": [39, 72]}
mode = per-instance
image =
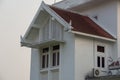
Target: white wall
{"type": "Point", "coordinates": [67, 57]}
{"type": "Point", "coordinates": [83, 57]}
{"type": "Point", "coordinates": [35, 65]}
{"type": "Point", "coordinates": [85, 54]}
{"type": "Point", "coordinates": [107, 15]}
{"type": "Point", "coordinates": [69, 3]}
{"type": "Point", "coordinates": [118, 30]}
{"type": "Point", "coordinates": [107, 18]}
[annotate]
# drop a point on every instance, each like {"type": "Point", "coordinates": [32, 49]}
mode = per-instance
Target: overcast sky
{"type": "Point", "coordinates": [15, 17]}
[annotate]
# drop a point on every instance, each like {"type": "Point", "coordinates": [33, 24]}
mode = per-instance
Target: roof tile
{"type": "Point", "coordinates": [82, 23]}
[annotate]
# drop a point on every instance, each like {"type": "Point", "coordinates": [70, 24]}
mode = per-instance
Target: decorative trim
{"type": "Point", "coordinates": [93, 36]}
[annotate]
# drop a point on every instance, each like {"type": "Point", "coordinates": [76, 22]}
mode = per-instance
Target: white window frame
{"type": "Point", "coordinates": [100, 54]}
{"type": "Point", "coordinates": [57, 52]}
{"type": "Point", "coordinates": [50, 52]}
{"type": "Point", "coordinates": [44, 54]}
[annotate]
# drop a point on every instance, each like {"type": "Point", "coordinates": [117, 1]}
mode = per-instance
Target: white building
{"type": "Point", "coordinates": [81, 41]}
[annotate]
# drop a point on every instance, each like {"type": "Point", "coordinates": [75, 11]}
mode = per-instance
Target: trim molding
{"type": "Point", "coordinates": [93, 36]}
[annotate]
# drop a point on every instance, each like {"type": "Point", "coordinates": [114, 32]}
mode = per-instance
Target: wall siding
{"type": "Point", "coordinates": [35, 65]}
{"type": "Point", "coordinates": [67, 57]}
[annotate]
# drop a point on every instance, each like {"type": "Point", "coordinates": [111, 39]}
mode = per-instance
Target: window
{"type": "Point", "coordinates": [98, 61]}
{"type": "Point", "coordinates": [50, 54]}
{"type": "Point", "coordinates": [100, 49]}
{"type": "Point", "coordinates": [100, 56]}
{"type": "Point", "coordinates": [55, 56]}
{"type": "Point", "coordinates": [101, 62]}
{"type": "Point", "coordinates": [45, 57]}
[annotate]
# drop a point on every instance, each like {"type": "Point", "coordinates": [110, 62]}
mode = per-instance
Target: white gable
{"type": "Point", "coordinates": [45, 26]}
{"type": "Point", "coordinates": [44, 12]}
{"type": "Point", "coordinates": [51, 30]}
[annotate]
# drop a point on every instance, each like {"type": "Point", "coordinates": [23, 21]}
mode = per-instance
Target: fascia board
{"type": "Point", "coordinates": [94, 36]}
{"type": "Point", "coordinates": [32, 23]}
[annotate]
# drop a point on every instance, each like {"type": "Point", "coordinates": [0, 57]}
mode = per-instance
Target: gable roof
{"type": "Point", "coordinates": [81, 23]}
{"type": "Point", "coordinates": [73, 22]}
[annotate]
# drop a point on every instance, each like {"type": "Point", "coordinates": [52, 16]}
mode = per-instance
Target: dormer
{"type": "Point", "coordinates": [44, 29]}
{"type": "Point", "coordinates": [50, 23]}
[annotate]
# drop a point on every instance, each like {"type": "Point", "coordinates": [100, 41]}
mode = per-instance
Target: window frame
{"type": "Point", "coordinates": [101, 54]}
{"type": "Point", "coordinates": [50, 58]}
{"type": "Point", "coordinates": [57, 54]}
{"type": "Point", "coordinates": [46, 54]}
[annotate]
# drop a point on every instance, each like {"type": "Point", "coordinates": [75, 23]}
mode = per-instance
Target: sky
{"type": "Point", "coordinates": [15, 17]}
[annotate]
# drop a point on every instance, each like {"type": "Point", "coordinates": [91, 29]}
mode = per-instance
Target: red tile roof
{"type": "Point", "coordinates": [81, 23]}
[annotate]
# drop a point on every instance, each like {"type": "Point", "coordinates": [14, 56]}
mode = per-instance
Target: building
{"type": "Point", "coordinates": [75, 40]}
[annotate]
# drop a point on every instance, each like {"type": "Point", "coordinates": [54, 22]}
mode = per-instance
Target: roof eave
{"type": "Point", "coordinates": [94, 36]}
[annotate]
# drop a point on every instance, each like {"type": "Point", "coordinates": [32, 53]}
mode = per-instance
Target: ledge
{"type": "Point", "coordinates": [111, 77]}
{"type": "Point", "coordinates": [42, 43]}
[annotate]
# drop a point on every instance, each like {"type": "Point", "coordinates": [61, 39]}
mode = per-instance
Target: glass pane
{"type": "Point", "coordinates": [45, 50]}
{"type": "Point", "coordinates": [100, 49]}
{"type": "Point", "coordinates": [47, 60]}
{"type": "Point", "coordinates": [43, 61]}
{"type": "Point", "coordinates": [56, 47]}
{"type": "Point", "coordinates": [54, 59]}
{"type": "Point", "coordinates": [103, 62]}
{"type": "Point", "coordinates": [58, 58]}
{"type": "Point", "coordinates": [98, 61]}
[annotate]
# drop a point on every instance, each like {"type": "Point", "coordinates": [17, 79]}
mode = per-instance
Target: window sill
{"type": "Point", "coordinates": [44, 70]}
{"type": "Point", "coordinates": [51, 69]}
{"type": "Point", "coordinates": [54, 68]}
